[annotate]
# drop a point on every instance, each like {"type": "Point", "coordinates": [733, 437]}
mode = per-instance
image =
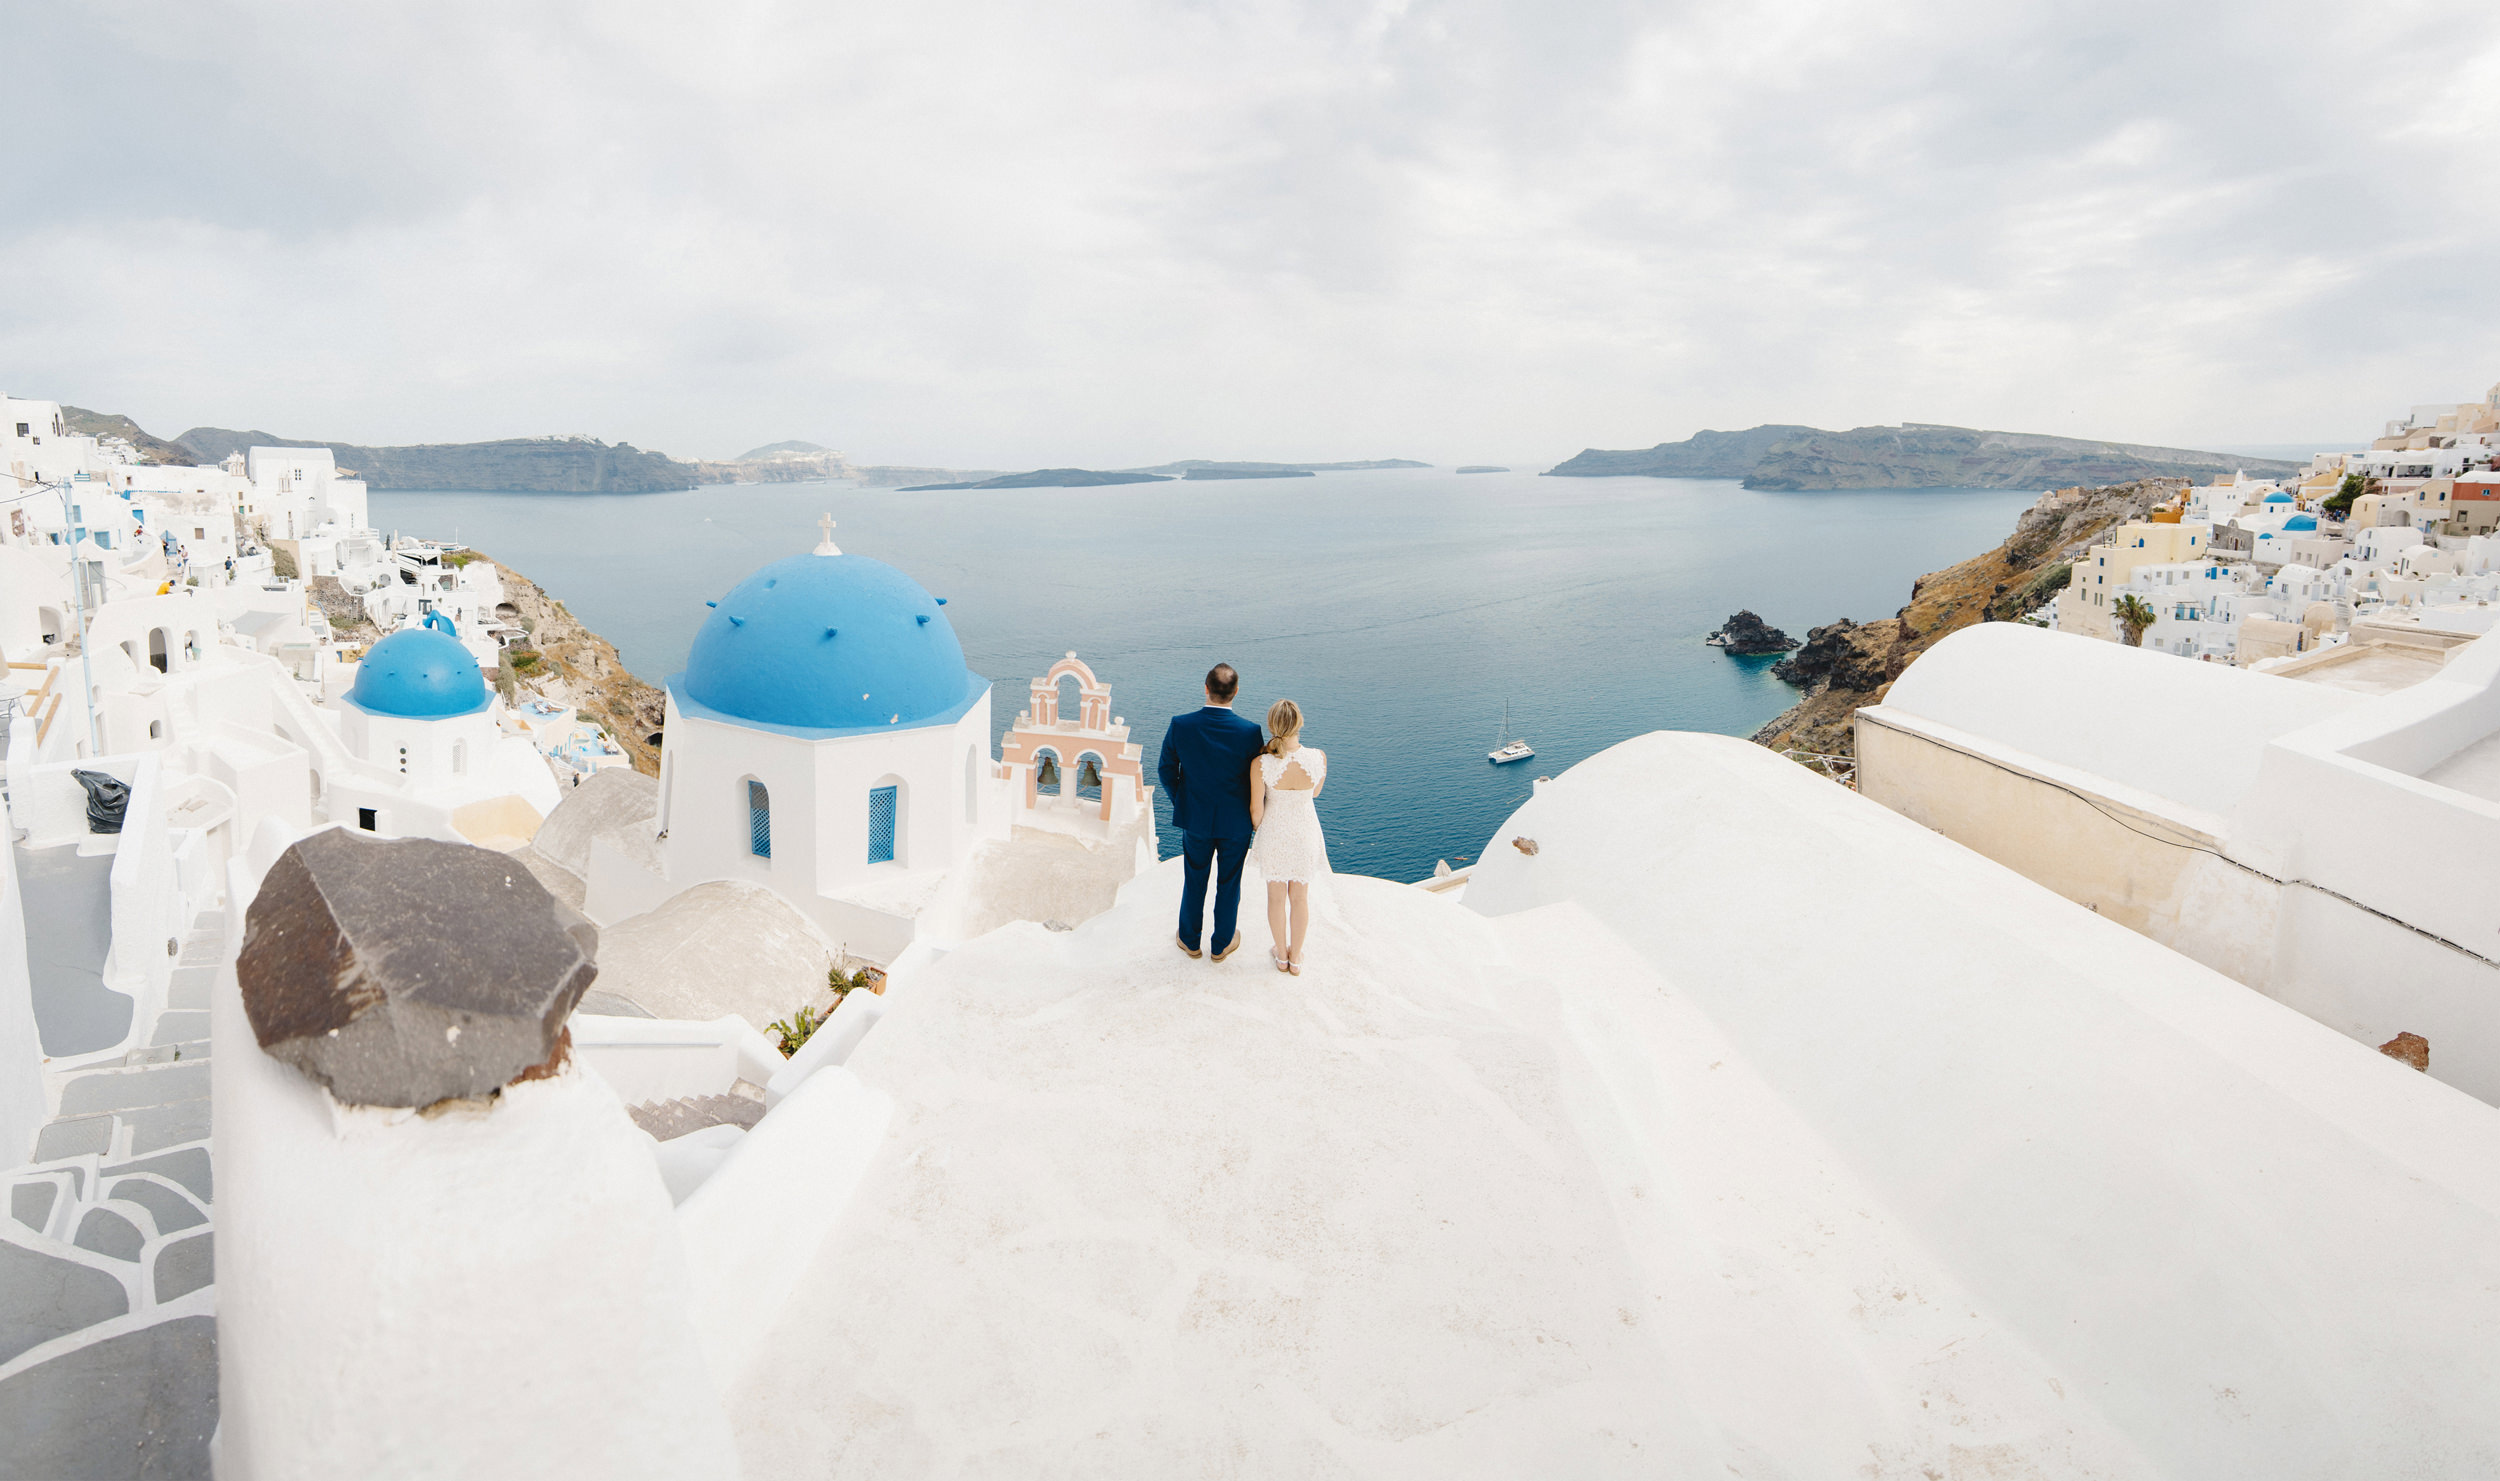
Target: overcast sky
{"type": "Point", "coordinates": [1017, 234]}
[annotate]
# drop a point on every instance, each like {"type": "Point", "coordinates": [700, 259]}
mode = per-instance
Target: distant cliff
{"type": "Point", "coordinates": [1702, 455]}
{"type": "Point", "coordinates": [85, 423]}
{"type": "Point", "coordinates": [1910, 456]}
{"type": "Point", "coordinates": [519, 465]}
{"type": "Point", "coordinates": [785, 462]}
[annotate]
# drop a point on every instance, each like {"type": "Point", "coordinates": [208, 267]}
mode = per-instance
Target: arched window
{"type": "Point", "coordinates": [1088, 777]}
{"type": "Point", "coordinates": [759, 821]}
{"type": "Point", "coordinates": [884, 809]}
{"type": "Point", "coordinates": [156, 649]}
{"type": "Point", "coordinates": [1071, 699]}
{"type": "Point", "coordinates": [1047, 781]}
{"type": "Point", "coordinates": [972, 786]}
{"type": "Point", "coordinates": [459, 758]}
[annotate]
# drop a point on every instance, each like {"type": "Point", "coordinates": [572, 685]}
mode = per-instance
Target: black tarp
{"type": "Point", "coordinates": [108, 797]}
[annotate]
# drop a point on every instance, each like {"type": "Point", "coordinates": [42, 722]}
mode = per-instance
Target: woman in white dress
{"type": "Point", "coordinates": [1292, 853]}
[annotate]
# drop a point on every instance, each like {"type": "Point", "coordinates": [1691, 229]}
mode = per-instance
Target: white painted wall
{"type": "Point", "coordinates": [475, 1293]}
{"type": "Point", "coordinates": [21, 1052]}
{"type": "Point", "coordinates": [2260, 1248]}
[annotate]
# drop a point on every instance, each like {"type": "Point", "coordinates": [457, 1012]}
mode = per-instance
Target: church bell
{"type": "Point", "coordinates": [1088, 774]}
{"type": "Point", "coordinates": [1048, 776]}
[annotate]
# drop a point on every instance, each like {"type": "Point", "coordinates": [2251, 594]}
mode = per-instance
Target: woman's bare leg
{"type": "Point", "coordinates": [1301, 898]}
{"type": "Point", "coordinates": [1276, 918]}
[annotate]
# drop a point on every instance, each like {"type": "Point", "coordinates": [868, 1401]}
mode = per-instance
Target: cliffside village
{"type": "Point", "coordinates": [396, 1081]}
{"type": "Point", "coordinates": [2403, 538]}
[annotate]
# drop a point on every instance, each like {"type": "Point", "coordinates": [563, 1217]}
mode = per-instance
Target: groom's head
{"type": "Point", "coordinates": [1222, 684]}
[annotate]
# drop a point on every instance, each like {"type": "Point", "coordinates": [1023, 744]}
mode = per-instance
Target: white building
{"type": "Point", "coordinates": [826, 741]}
{"type": "Point", "coordinates": [2322, 833]}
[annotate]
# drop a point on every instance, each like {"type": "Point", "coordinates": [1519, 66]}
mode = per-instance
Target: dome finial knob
{"type": "Point", "coordinates": [826, 545]}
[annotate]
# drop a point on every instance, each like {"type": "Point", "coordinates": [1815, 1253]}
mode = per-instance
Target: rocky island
{"type": "Point", "coordinates": [1042, 478]}
{"type": "Point", "coordinates": [1746, 634]}
{"type": "Point", "coordinates": [1913, 455]}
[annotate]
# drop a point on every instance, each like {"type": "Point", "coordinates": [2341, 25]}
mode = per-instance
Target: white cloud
{"type": "Point", "coordinates": [1011, 235]}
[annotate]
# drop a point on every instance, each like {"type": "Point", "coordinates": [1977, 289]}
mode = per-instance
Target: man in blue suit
{"type": "Point", "coordinates": [1205, 770]}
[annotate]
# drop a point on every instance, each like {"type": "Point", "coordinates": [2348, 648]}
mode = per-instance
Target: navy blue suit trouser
{"type": "Point", "coordinates": [1225, 856]}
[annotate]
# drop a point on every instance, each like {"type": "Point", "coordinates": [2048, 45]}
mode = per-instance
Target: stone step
{"type": "Point", "coordinates": [191, 987]}
{"type": "Point", "coordinates": [189, 1167]}
{"type": "Point", "coordinates": [180, 1026]}
{"type": "Point", "coordinates": [145, 1054]}
{"type": "Point", "coordinates": [74, 1136]}
{"type": "Point", "coordinates": [132, 1089]}
{"type": "Point", "coordinates": [154, 1128]}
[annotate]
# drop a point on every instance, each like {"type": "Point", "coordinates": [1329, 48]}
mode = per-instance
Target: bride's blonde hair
{"type": "Point", "coordinates": [1284, 722]}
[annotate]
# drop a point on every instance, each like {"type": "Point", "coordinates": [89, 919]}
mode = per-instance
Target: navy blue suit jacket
{"type": "Point", "coordinates": [1205, 770]}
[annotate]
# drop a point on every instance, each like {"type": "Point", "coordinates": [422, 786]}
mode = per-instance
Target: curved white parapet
{"type": "Point", "coordinates": [753, 1229]}
{"type": "Point", "coordinates": [661, 1059]}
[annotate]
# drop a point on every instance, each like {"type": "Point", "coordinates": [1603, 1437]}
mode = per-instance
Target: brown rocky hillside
{"type": "Point", "coordinates": [576, 666]}
{"type": "Point", "coordinates": [1844, 665]}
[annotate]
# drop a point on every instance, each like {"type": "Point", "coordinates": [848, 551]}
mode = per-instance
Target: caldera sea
{"type": "Point", "coordinates": [1402, 609]}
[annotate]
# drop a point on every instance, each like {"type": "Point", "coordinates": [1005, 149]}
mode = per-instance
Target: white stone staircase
{"type": "Point", "coordinates": [108, 1327]}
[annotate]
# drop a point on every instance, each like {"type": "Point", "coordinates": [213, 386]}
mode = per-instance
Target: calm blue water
{"type": "Point", "coordinates": [1400, 608]}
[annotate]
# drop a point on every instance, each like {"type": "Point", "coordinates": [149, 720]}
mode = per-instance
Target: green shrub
{"type": "Point", "coordinates": [795, 1029]}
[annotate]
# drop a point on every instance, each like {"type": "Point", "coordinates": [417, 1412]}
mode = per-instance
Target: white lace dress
{"type": "Point", "coordinates": [1290, 845]}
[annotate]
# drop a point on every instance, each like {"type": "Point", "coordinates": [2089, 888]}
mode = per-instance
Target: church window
{"type": "Point", "coordinates": [972, 786]}
{"type": "Point", "coordinates": [759, 821]}
{"type": "Point", "coordinates": [881, 807]}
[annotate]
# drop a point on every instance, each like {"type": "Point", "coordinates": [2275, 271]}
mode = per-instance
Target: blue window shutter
{"type": "Point", "coordinates": [881, 826]}
{"type": "Point", "coordinates": [759, 821]}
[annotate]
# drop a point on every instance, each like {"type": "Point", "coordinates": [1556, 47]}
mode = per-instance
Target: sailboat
{"type": "Point", "coordinates": [1508, 750]}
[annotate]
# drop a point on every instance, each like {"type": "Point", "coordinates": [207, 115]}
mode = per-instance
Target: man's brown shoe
{"type": "Point", "coordinates": [1229, 950]}
{"type": "Point", "coordinates": [1195, 952]}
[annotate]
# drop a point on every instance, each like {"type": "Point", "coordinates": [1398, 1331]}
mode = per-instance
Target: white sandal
{"type": "Point", "coordinates": [1281, 964]}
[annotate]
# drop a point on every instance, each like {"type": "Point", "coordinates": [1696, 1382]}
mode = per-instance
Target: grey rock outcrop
{"type": "Point", "coordinates": [1747, 633]}
{"type": "Point", "coordinates": [408, 971]}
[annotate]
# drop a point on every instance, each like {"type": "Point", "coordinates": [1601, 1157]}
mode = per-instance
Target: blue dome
{"type": "Point", "coordinates": [2301, 522]}
{"type": "Point", "coordinates": [828, 643]}
{"type": "Point", "coordinates": [2278, 497]}
{"type": "Point", "coordinates": [420, 673]}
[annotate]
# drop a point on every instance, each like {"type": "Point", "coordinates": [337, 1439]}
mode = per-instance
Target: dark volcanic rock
{"type": "Point", "coordinates": [1746, 633]}
{"type": "Point", "coordinates": [405, 972]}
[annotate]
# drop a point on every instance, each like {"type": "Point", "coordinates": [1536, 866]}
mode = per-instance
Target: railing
{"type": "Point", "coordinates": [1841, 769]}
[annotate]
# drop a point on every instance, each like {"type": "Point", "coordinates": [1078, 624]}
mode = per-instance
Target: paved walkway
{"type": "Point", "coordinates": [68, 898]}
{"type": "Point", "coordinates": [108, 1324]}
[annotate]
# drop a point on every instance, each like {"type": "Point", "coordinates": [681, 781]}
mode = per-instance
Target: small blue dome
{"type": "Point", "coordinates": [2300, 522]}
{"type": "Point", "coordinates": [2278, 497]}
{"type": "Point", "coordinates": [820, 643]}
{"type": "Point", "coordinates": [420, 673]}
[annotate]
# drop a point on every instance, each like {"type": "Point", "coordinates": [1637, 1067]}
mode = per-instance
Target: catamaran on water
{"type": "Point", "coordinates": [1507, 749]}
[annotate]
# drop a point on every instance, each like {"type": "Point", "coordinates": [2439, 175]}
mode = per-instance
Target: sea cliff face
{"type": "Point", "coordinates": [1845, 665]}
{"type": "Point", "coordinates": [1702, 455]}
{"type": "Point", "coordinates": [1914, 455]}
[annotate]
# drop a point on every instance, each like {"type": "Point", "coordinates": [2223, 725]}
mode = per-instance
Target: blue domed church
{"type": "Point", "coordinates": [826, 741]}
{"type": "Point", "coordinates": [436, 759]}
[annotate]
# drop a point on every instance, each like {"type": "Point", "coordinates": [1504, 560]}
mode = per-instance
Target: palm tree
{"type": "Point", "coordinates": [2134, 615]}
